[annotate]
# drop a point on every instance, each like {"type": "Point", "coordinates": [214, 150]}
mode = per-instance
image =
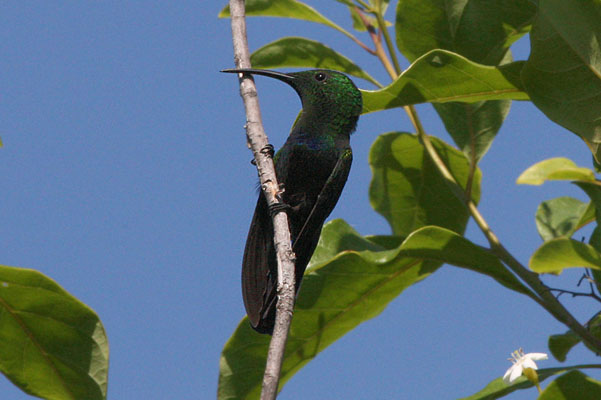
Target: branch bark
{"type": "Point", "coordinates": [257, 141]}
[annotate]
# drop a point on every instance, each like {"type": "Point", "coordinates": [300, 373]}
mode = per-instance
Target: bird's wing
{"type": "Point", "coordinates": [326, 201]}
{"type": "Point", "coordinates": [258, 281]}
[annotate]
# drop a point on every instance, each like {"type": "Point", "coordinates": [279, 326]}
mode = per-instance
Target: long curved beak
{"type": "Point", "coordinates": [265, 72]}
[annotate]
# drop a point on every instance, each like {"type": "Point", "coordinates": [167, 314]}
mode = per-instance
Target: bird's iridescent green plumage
{"type": "Point", "coordinates": [313, 166]}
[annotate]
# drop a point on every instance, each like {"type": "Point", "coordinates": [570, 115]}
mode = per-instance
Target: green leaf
{"type": "Point", "coordinates": [480, 30]}
{"type": "Point", "coordinates": [51, 345]}
{"type": "Point", "coordinates": [424, 25]}
{"type": "Point", "coordinates": [560, 345]}
{"type": "Point", "coordinates": [439, 244]}
{"type": "Point", "coordinates": [407, 188]}
{"type": "Point", "coordinates": [383, 4]}
{"type": "Point", "coordinates": [557, 254]}
{"type": "Point", "coordinates": [555, 169]}
{"type": "Point", "coordinates": [301, 52]}
{"type": "Point", "coordinates": [572, 385]}
{"type": "Point", "coordinates": [497, 388]}
{"type": "Point", "coordinates": [593, 190]}
{"type": "Point", "coordinates": [563, 74]}
{"type": "Point", "coordinates": [346, 2]}
{"type": "Point", "coordinates": [358, 24]}
{"type": "Point", "coordinates": [441, 76]}
{"type": "Point", "coordinates": [594, 326]}
{"type": "Point", "coordinates": [385, 241]}
{"type": "Point", "coordinates": [473, 126]}
{"type": "Point", "coordinates": [285, 9]}
{"type": "Point", "coordinates": [595, 241]}
{"type": "Point", "coordinates": [561, 217]}
{"type": "Point", "coordinates": [350, 280]}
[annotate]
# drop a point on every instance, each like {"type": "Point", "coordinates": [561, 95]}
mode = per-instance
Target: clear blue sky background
{"type": "Point", "coordinates": [125, 177]}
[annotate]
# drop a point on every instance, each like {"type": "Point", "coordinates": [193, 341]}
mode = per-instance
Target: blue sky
{"type": "Point", "coordinates": [125, 177]}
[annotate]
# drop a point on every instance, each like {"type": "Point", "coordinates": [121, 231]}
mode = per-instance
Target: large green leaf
{"type": "Point", "coordinates": [561, 217]}
{"type": "Point", "coordinates": [441, 76]}
{"type": "Point", "coordinates": [572, 385]}
{"type": "Point", "coordinates": [563, 74]}
{"type": "Point", "coordinates": [594, 326]}
{"type": "Point", "coordinates": [301, 52]}
{"type": "Point", "coordinates": [561, 344]}
{"type": "Point", "coordinates": [51, 345]}
{"type": "Point", "coordinates": [595, 241]}
{"type": "Point", "coordinates": [407, 188]}
{"type": "Point", "coordinates": [497, 388]}
{"type": "Point", "coordinates": [557, 254]}
{"type": "Point", "coordinates": [436, 243]}
{"type": "Point", "coordinates": [480, 30]}
{"type": "Point", "coordinates": [383, 4]}
{"type": "Point", "coordinates": [473, 126]}
{"type": "Point", "coordinates": [284, 9]}
{"type": "Point", "coordinates": [350, 280]}
{"type": "Point", "coordinates": [358, 23]}
{"type": "Point", "coordinates": [555, 169]}
{"type": "Point", "coordinates": [593, 189]}
{"type": "Point", "coordinates": [424, 25]}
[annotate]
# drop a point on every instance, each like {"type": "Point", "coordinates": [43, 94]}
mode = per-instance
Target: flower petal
{"type": "Point", "coordinates": [506, 377]}
{"type": "Point", "coordinates": [516, 373]}
{"type": "Point", "coordinates": [528, 363]}
{"type": "Point", "coordinates": [537, 356]}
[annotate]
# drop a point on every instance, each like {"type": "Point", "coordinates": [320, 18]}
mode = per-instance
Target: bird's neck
{"type": "Point", "coordinates": [324, 124]}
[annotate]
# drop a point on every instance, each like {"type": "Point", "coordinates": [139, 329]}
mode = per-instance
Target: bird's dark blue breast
{"type": "Point", "coordinates": [303, 166]}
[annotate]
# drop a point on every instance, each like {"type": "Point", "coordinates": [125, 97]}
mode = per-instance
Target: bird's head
{"type": "Point", "coordinates": [326, 95]}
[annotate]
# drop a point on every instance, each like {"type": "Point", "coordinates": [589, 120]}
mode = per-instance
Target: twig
{"type": "Point", "coordinates": [591, 281]}
{"type": "Point", "coordinates": [575, 294]}
{"type": "Point", "coordinates": [257, 140]}
{"type": "Point", "coordinates": [586, 276]}
{"type": "Point", "coordinates": [377, 40]}
{"type": "Point", "coordinates": [384, 30]}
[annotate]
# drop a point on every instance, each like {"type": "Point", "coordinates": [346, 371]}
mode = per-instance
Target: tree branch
{"type": "Point", "coordinates": [257, 141]}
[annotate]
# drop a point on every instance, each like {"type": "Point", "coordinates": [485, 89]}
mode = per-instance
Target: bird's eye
{"type": "Point", "coordinates": [320, 76]}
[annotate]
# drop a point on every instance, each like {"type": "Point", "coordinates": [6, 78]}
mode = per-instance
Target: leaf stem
{"type": "Point", "coordinates": [377, 40]}
{"type": "Point", "coordinates": [360, 43]}
{"type": "Point", "coordinates": [473, 160]}
{"type": "Point", "coordinates": [384, 30]}
{"type": "Point", "coordinates": [366, 6]}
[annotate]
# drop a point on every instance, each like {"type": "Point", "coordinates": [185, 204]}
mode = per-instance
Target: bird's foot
{"type": "Point", "coordinates": [277, 207]}
{"type": "Point", "coordinates": [267, 150]}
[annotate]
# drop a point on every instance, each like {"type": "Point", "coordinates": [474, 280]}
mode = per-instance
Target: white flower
{"type": "Point", "coordinates": [520, 362]}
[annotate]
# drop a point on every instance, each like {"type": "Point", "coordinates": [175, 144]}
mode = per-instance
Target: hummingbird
{"type": "Point", "coordinates": [312, 167]}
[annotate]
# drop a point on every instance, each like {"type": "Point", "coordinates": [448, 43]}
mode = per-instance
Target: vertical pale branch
{"type": "Point", "coordinates": [258, 143]}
